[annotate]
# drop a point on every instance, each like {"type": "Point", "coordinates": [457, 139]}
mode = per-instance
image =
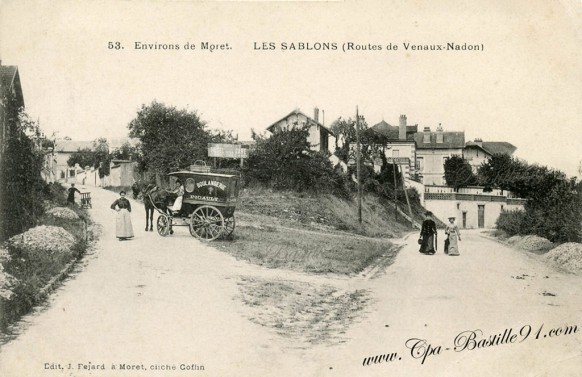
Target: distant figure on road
{"type": "Point", "coordinates": [71, 196]}
{"type": "Point", "coordinates": [428, 235]}
{"type": "Point", "coordinates": [135, 190]}
{"type": "Point", "coordinates": [452, 232]}
{"type": "Point", "coordinates": [123, 227]}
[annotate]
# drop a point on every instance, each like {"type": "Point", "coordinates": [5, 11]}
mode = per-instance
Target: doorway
{"type": "Point", "coordinates": [481, 216]}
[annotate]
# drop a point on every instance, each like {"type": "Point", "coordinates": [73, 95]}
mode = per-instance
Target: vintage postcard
{"type": "Point", "coordinates": [293, 287]}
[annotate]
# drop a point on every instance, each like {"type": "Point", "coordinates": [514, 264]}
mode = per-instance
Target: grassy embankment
{"type": "Point", "coordinates": [35, 270]}
{"type": "Point", "coordinates": [318, 234]}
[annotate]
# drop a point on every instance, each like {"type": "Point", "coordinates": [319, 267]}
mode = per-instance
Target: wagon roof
{"type": "Point", "coordinates": [188, 172]}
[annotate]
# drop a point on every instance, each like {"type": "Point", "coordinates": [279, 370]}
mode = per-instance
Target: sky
{"type": "Point", "coordinates": [524, 87]}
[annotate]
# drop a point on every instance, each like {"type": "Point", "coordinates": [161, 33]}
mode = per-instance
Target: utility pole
{"type": "Point", "coordinates": [406, 194]}
{"type": "Point", "coordinates": [395, 188]}
{"type": "Point", "coordinates": [358, 166]}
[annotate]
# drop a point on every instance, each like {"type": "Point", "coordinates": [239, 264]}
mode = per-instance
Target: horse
{"type": "Point", "coordinates": [155, 198]}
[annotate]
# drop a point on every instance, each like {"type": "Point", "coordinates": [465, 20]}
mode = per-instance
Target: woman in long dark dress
{"type": "Point", "coordinates": [428, 234]}
{"type": "Point", "coordinates": [123, 227]}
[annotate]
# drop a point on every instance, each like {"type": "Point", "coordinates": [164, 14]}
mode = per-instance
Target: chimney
{"type": "Point", "coordinates": [316, 114]}
{"type": "Point", "coordinates": [402, 128]}
{"type": "Point", "coordinates": [426, 129]}
{"type": "Point", "coordinates": [479, 142]}
{"type": "Point", "coordinates": [440, 128]}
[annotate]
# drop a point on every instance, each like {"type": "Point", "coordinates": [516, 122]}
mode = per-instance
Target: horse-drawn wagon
{"type": "Point", "coordinates": [207, 208]}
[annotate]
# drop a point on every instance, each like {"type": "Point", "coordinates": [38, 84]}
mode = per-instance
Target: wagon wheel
{"type": "Point", "coordinates": [164, 225]}
{"type": "Point", "coordinates": [229, 224]}
{"type": "Point", "coordinates": [206, 223]}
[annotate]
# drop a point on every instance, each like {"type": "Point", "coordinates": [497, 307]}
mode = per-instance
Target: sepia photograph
{"type": "Point", "coordinates": [290, 188]}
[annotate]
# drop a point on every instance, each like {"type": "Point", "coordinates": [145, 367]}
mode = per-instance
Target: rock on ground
{"type": "Point", "coordinates": [44, 238]}
{"type": "Point", "coordinates": [567, 256]}
{"type": "Point", "coordinates": [530, 242]}
{"type": "Point", "coordinates": [7, 281]}
{"type": "Point", "coordinates": [63, 212]}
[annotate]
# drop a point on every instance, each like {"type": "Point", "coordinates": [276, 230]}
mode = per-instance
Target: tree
{"type": "Point", "coordinates": [458, 173]}
{"type": "Point", "coordinates": [222, 136]}
{"type": "Point", "coordinates": [171, 139]}
{"type": "Point", "coordinates": [84, 157]}
{"type": "Point", "coordinates": [126, 152]}
{"type": "Point", "coordinates": [98, 157]}
{"type": "Point", "coordinates": [21, 185]}
{"type": "Point", "coordinates": [345, 141]}
{"type": "Point", "coordinates": [554, 201]}
{"type": "Point", "coordinates": [102, 156]}
{"type": "Point", "coordinates": [286, 161]}
{"type": "Point", "coordinates": [501, 170]}
{"type": "Point", "coordinates": [345, 134]}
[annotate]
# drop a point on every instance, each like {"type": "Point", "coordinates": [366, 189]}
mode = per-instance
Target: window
{"type": "Point", "coordinates": [324, 143]}
{"type": "Point", "coordinates": [419, 163]}
{"type": "Point", "coordinates": [439, 138]}
{"type": "Point", "coordinates": [426, 138]}
{"type": "Point", "coordinates": [395, 153]}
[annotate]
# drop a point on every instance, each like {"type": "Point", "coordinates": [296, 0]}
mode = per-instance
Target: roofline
{"type": "Point", "coordinates": [15, 79]}
{"type": "Point", "coordinates": [399, 141]}
{"type": "Point", "coordinates": [485, 150]}
{"type": "Point", "coordinates": [443, 147]}
{"type": "Point", "coordinates": [478, 146]}
{"type": "Point", "coordinates": [302, 113]}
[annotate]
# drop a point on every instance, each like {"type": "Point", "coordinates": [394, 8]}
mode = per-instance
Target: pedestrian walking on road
{"type": "Point", "coordinates": [123, 227]}
{"type": "Point", "coordinates": [71, 193]}
{"type": "Point", "coordinates": [428, 235]}
{"type": "Point", "coordinates": [453, 236]}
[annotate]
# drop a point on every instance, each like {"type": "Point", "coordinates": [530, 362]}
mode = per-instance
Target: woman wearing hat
{"type": "Point", "coordinates": [428, 234]}
{"type": "Point", "coordinates": [452, 232]}
{"type": "Point", "coordinates": [123, 228]}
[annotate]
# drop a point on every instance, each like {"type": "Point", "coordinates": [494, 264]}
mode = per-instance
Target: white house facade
{"type": "Point", "coordinates": [477, 152]}
{"type": "Point", "coordinates": [433, 149]}
{"type": "Point", "coordinates": [471, 206]}
{"type": "Point", "coordinates": [320, 137]}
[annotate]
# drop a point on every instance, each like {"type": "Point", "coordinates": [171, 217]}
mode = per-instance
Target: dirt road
{"type": "Point", "coordinates": [161, 303]}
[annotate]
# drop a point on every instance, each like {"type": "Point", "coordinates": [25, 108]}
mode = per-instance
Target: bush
{"type": "Point", "coordinates": [285, 161]}
{"type": "Point", "coordinates": [512, 222]}
{"type": "Point", "coordinates": [553, 203]}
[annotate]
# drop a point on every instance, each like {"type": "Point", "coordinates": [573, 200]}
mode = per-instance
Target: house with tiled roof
{"type": "Point", "coordinates": [398, 143]}
{"type": "Point", "coordinates": [478, 151]}
{"type": "Point", "coordinates": [433, 149]}
{"type": "Point", "coordinates": [63, 150]}
{"type": "Point", "coordinates": [403, 131]}
{"type": "Point", "coordinates": [319, 135]}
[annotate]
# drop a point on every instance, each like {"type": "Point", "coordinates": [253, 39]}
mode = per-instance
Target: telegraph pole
{"type": "Point", "coordinates": [358, 166]}
{"type": "Point", "coordinates": [395, 188]}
